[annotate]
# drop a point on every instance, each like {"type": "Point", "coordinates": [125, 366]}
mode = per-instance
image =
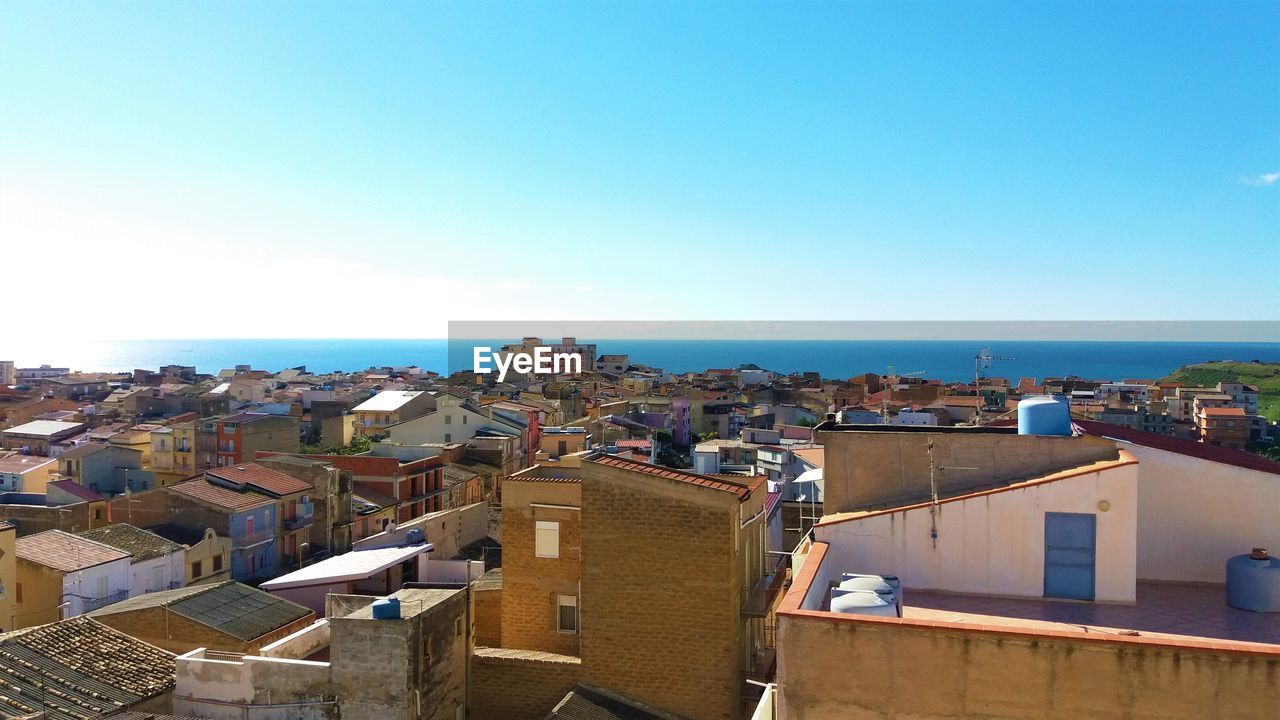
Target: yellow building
{"type": "Point", "coordinates": [644, 580]}
{"type": "Point", "coordinates": [8, 576]}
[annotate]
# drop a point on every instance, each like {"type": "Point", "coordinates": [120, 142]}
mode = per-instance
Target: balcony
{"type": "Point", "coordinates": [758, 601]}
{"type": "Point", "coordinates": [91, 604]}
{"type": "Point", "coordinates": [243, 540]}
{"type": "Point", "coordinates": [306, 511]}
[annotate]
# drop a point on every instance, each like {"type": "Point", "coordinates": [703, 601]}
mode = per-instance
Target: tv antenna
{"type": "Point", "coordinates": [891, 377]}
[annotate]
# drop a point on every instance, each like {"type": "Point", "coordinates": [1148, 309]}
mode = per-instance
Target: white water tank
{"type": "Point", "coordinates": [859, 581]}
{"type": "Point", "coordinates": [863, 602]}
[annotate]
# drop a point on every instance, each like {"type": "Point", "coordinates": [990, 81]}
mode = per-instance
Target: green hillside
{"type": "Point", "coordinates": [1266, 376]}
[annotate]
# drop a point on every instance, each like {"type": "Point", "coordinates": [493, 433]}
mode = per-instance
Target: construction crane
{"type": "Point", "coordinates": [890, 378]}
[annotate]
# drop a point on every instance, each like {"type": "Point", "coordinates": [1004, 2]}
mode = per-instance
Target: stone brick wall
{"type": "Point", "coordinates": [661, 596]}
{"type": "Point", "coordinates": [531, 584]}
{"type": "Point", "coordinates": [488, 616]}
{"type": "Point", "coordinates": [519, 684]}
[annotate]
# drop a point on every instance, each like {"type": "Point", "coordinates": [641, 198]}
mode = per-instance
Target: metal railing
{"type": "Point", "coordinates": [246, 539]}
{"type": "Point", "coordinates": [91, 604]}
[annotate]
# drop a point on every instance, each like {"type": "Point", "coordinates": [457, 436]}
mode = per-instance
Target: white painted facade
{"type": "Point", "coordinates": [450, 423]}
{"type": "Point", "coordinates": [994, 544]}
{"type": "Point", "coordinates": [162, 573]}
{"type": "Point", "coordinates": [93, 587]}
{"type": "Point", "coordinates": [1194, 514]}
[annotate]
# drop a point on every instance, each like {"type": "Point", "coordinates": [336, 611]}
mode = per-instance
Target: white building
{"type": "Point", "coordinates": [92, 574]}
{"type": "Point", "coordinates": [156, 563]}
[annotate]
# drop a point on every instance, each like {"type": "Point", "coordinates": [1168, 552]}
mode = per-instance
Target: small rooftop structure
{"type": "Point", "coordinates": [347, 567]}
{"type": "Point", "coordinates": [387, 401]}
{"type": "Point", "coordinates": [232, 608]}
{"type": "Point", "coordinates": [52, 429]}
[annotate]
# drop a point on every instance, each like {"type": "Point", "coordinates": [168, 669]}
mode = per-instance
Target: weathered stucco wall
{"type": "Point", "coordinates": [879, 468]}
{"type": "Point", "coordinates": [1193, 514]}
{"type": "Point", "coordinates": [841, 669]}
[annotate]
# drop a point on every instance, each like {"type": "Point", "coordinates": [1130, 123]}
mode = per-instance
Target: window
{"type": "Point", "coordinates": [464, 419]}
{"type": "Point", "coordinates": [196, 569]}
{"type": "Point", "coordinates": [448, 437]}
{"type": "Point", "coordinates": [17, 591]}
{"type": "Point", "coordinates": [217, 562]}
{"type": "Point", "coordinates": [546, 539]}
{"type": "Point", "coordinates": [102, 587]}
{"type": "Point", "coordinates": [568, 613]}
{"type": "Point", "coordinates": [448, 419]}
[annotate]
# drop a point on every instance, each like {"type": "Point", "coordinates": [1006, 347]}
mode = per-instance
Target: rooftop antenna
{"type": "Point", "coordinates": [981, 362]}
{"type": "Point", "coordinates": [935, 468]}
{"type": "Point", "coordinates": [891, 378]}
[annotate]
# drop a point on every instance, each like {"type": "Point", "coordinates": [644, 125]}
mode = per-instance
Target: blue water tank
{"type": "Point", "coordinates": [387, 608]}
{"type": "Point", "coordinates": [1253, 582]}
{"type": "Point", "coordinates": [1044, 415]}
{"type": "Point", "coordinates": [414, 536]}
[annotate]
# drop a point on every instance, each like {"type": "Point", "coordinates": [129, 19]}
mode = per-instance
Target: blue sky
{"type": "Point", "coordinates": [397, 165]}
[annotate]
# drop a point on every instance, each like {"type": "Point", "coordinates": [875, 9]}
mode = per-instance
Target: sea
{"type": "Point", "coordinates": [947, 360]}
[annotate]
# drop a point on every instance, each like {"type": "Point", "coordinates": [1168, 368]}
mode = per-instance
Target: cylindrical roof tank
{"type": "Point", "coordinates": [1253, 582]}
{"type": "Point", "coordinates": [1044, 415]}
{"type": "Point", "coordinates": [387, 608]}
{"type": "Point", "coordinates": [857, 581]}
{"type": "Point", "coordinates": [861, 602]}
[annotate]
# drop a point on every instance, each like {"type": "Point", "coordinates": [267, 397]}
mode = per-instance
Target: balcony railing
{"type": "Point", "coordinates": [249, 539]}
{"type": "Point", "coordinates": [91, 604]}
{"type": "Point", "coordinates": [306, 511]}
{"type": "Point", "coordinates": [758, 600]}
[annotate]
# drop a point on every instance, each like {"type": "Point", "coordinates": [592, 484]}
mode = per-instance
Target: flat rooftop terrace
{"type": "Point", "coordinates": [1168, 610]}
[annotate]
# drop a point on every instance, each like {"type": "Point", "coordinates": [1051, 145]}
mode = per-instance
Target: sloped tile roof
{"type": "Point", "coordinates": [260, 477]}
{"type": "Point", "coordinates": [142, 544]}
{"type": "Point", "coordinates": [243, 612]}
{"type": "Point", "coordinates": [206, 491]}
{"type": "Point", "coordinates": [79, 669]}
{"type": "Point", "coordinates": [65, 552]}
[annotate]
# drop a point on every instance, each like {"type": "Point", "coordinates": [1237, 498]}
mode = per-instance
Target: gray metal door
{"type": "Point", "coordinates": [1069, 555]}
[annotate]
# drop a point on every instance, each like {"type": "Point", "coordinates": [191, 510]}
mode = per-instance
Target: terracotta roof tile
{"type": "Point", "coordinates": [141, 544]}
{"type": "Point", "coordinates": [262, 478]}
{"type": "Point", "coordinates": [64, 551]}
{"type": "Point", "coordinates": [742, 491]}
{"type": "Point", "coordinates": [222, 497]}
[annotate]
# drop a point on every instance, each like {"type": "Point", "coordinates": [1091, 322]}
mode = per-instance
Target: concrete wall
{"type": "Point", "coordinates": [993, 543]}
{"type": "Point", "coordinates": [884, 468]}
{"type": "Point", "coordinates": [449, 530]}
{"type": "Point", "coordinates": [1193, 514]}
{"type": "Point", "coordinates": [838, 669]}
{"type": "Point", "coordinates": [519, 685]}
{"type": "Point", "coordinates": [414, 667]}
{"type": "Point", "coordinates": [280, 689]}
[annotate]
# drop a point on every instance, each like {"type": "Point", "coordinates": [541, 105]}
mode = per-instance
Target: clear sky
{"type": "Point", "coordinates": [290, 169]}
